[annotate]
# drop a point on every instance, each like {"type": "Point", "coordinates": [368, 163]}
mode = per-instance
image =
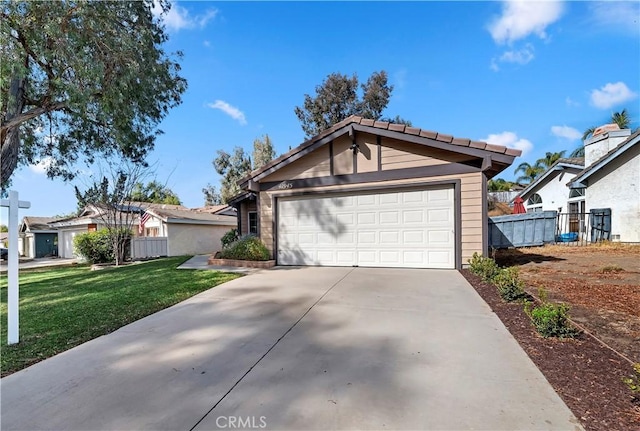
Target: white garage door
{"type": "Point", "coordinates": [408, 229]}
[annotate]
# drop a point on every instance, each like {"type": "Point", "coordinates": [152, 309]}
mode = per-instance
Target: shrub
{"type": "Point", "coordinates": [95, 247]}
{"type": "Point", "coordinates": [551, 320]}
{"type": "Point", "coordinates": [483, 266]}
{"type": "Point", "coordinates": [510, 286]}
{"type": "Point", "coordinates": [633, 382]}
{"type": "Point", "coordinates": [247, 247]}
{"type": "Point", "coordinates": [229, 237]}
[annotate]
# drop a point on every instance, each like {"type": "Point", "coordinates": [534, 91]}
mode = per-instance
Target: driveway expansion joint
{"type": "Point", "coordinates": [270, 349]}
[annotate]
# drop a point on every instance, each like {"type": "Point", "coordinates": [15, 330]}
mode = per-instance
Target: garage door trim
{"type": "Point", "coordinates": [457, 209]}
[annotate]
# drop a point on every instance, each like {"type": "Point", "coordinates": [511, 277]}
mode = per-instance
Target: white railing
{"type": "Point", "coordinates": [146, 246]}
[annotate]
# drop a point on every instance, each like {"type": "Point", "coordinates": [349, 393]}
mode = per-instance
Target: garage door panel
{"type": "Point", "coordinates": [413, 216]}
{"type": "Point", "coordinates": [390, 237]}
{"type": "Point", "coordinates": [413, 237]}
{"type": "Point", "coordinates": [389, 229]}
{"type": "Point", "coordinates": [389, 217]}
{"type": "Point", "coordinates": [366, 218]}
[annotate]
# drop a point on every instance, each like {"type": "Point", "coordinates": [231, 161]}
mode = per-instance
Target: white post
{"type": "Point", "coordinates": [12, 266]}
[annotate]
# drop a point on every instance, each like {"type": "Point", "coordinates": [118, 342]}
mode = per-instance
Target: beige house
{"type": "Point", "coordinates": [171, 230]}
{"type": "Point", "coordinates": [188, 231]}
{"type": "Point", "coordinates": [370, 193]}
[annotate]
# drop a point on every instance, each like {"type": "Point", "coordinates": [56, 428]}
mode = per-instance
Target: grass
{"type": "Point", "coordinates": [61, 308]}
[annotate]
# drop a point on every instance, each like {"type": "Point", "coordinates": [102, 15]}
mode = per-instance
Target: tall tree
{"type": "Point", "coordinates": [154, 192]}
{"type": "Point", "coordinates": [82, 80]}
{"type": "Point", "coordinates": [529, 172]}
{"type": "Point", "coordinates": [111, 194]}
{"type": "Point", "coordinates": [211, 196]}
{"type": "Point", "coordinates": [337, 98]}
{"type": "Point", "coordinates": [263, 152]}
{"type": "Point", "coordinates": [499, 185]}
{"type": "Point", "coordinates": [550, 158]}
{"type": "Point", "coordinates": [232, 167]}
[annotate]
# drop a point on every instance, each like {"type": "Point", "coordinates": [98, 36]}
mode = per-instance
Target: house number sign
{"type": "Point", "coordinates": [285, 185]}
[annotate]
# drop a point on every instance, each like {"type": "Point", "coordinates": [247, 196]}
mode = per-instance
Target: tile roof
{"type": "Point", "coordinates": [384, 125]}
{"type": "Point", "coordinates": [192, 215]}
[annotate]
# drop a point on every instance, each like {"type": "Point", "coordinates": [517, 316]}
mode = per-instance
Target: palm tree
{"type": "Point", "coordinates": [529, 172]}
{"type": "Point", "coordinates": [620, 118]}
{"type": "Point", "coordinates": [550, 158]}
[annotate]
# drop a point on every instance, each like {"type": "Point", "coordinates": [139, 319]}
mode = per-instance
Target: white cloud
{"type": "Point", "coordinates": [566, 132]}
{"type": "Point", "coordinates": [520, 56]}
{"type": "Point", "coordinates": [619, 16]}
{"type": "Point", "coordinates": [510, 140]}
{"type": "Point", "coordinates": [41, 167]}
{"type": "Point", "coordinates": [570, 102]}
{"type": "Point", "coordinates": [611, 94]}
{"type": "Point", "coordinates": [231, 111]}
{"type": "Point", "coordinates": [519, 19]}
{"type": "Point", "coordinates": [178, 17]}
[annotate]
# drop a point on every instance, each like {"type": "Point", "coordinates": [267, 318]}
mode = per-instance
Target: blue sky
{"type": "Point", "coordinates": [528, 75]}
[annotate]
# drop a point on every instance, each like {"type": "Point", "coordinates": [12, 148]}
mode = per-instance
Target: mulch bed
{"type": "Point", "coordinates": [586, 374]}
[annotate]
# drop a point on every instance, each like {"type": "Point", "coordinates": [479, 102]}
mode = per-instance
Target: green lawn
{"type": "Point", "coordinates": [63, 307]}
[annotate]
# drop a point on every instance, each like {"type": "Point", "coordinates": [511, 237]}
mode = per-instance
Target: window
{"type": "Point", "coordinates": [576, 193]}
{"type": "Point", "coordinates": [253, 223]}
{"type": "Point", "coordinates": [535, 200]}
{"type": "Point", "coordinates": [534, 203]}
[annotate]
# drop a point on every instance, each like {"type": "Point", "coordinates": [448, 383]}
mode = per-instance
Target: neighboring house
{"type": "Point", "coordinates": [371, 193]}
{"type": "Point", "coordinates": [549, 192]}
{"type": "Point", "coordinates": [37, 238]}
{"type": "Point", "coordinates": [188, 231]}
{"type": "Point", "coordinates": [185, 231]}
{"type": "Point", "coordinates": [218, 210]}
{"type": "Point", "coordinates": [611, 179]}
{"type": "Point", "coordinates": [607, 177]}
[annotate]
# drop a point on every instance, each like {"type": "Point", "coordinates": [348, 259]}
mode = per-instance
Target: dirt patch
{"type": "Point", "coordinates": [586, 374]}
{"type": "Point", "coordinates": [601, 283]}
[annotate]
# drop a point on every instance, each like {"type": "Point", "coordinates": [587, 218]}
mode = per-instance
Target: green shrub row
{"type": "Point", "coordinates": [247, 247]}
{"type": "Point", "coordinates": [549, 319]}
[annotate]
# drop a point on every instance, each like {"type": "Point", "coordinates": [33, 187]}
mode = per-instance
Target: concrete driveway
{"type": "Point", "coordinates": [298, 348]}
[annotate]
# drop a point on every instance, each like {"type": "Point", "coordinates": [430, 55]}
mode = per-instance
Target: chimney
{"type": "Point", "coordinates": [604, 139]}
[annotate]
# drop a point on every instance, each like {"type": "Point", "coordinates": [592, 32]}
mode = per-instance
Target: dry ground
{"type": "Point", "coordinates": [601, 282]}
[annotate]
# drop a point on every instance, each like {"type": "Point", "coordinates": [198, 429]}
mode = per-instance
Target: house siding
{"type": "Point", "coordinates": [617, 186]}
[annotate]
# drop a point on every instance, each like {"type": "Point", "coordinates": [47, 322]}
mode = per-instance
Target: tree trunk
{"type": "Point", "coordinates": [10, 137]}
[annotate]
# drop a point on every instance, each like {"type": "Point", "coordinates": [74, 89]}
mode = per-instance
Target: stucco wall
{"type": "Point", "coordinates": [186, 239]}
{"type": "Point", "coordinates": [554, 193]}
{"type": "Point", "coordinates": [617, 186]}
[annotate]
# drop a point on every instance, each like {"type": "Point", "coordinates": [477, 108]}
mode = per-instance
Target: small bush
{"type": "Point", "coordinates": [229, 237]}
{"type": "Point", "coordinates": [95, 247]}
{"type": "Point", "coordinates": [610, 269]}
{"type": "Point", "coordinates": [247, 247]}
{"type": "Point", "coordinates": [633, 382]}
{"type": "Point", "coordinates": [510, 286]}
{"type": "Point", "coordinates": [551, 320]}
{"type": "Point", "coordinates": [483, 267]}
